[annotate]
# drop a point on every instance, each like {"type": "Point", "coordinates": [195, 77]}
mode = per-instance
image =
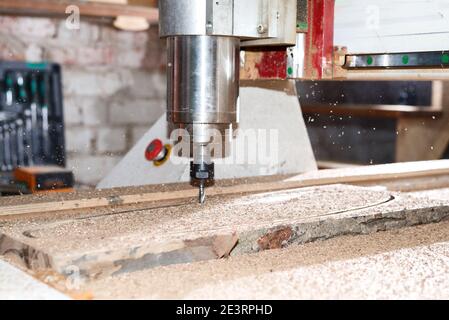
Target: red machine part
{"type": "Point", "coordinates": [319, 49]}
{"type": "Point", "coordinates": [273, 64]}
{"type": "Point", "coordinates": [154, 150]}
{"type": "Point", "coordinates": [320, 40]}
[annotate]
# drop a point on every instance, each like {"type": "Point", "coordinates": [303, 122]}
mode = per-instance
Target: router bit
{"type": "Point", "coordinates": [203, 175]}
{"type": "Point", "coordinates": [202, 193]}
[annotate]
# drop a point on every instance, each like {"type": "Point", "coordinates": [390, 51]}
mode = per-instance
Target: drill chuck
{"type": "Point", "coordinates": [202, 171]}
{"type": "Point", "coordinates": [202, 174]}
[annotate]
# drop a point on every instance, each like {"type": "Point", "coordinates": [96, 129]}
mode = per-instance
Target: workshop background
{"type": "Point", "coordinates": [113, 84]}
{"type": "Point", "coordinates": [114, 81]}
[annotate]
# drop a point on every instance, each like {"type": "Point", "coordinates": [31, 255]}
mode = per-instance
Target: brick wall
{"type": "Point", "coordinates": [114, 84]}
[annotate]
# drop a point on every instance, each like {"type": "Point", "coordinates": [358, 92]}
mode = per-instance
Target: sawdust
{"type": "Point", "coordinates": [116, 192]}
{"type": "Point", "coordinates": [247, 275]}
{"type": "Point", "coordinates": [224, 215]}
{"type": "Point", "coordinates": [114, 242]}
{"type": "Point", "coordinates": [87, 234]}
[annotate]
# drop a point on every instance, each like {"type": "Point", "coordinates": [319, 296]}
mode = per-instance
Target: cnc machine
{"type": "Point", "coordinates": [204, 39]}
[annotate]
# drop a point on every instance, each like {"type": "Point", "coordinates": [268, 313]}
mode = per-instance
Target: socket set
{"type": "Point", "coordinates": [31, 115]}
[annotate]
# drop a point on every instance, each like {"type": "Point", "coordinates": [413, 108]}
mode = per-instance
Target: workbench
{"type": "Point", "coordinates": [143, 238]}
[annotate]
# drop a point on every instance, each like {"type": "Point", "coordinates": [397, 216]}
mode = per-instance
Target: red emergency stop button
{"type": "Point", "coordinates": [157, 152]}
{"type": "Point", "coordinates": [154, 150]}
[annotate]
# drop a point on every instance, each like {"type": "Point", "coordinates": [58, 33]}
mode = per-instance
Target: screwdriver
{"type": "Point", "coordinates": [7, 146]}
{"type": "Point", "coordinates": [2, 148]}
{"type": "Point", "coordinates": [9, 94]}
{"type": "Point", "coordinates": [35, 133]}
{"type": "Point", "coordinates": [13, 144]}
{"type": "Point", "coordinates": [20, 144]}
{"type": "Point", "coordinates": [22, 96]}
{"type": "Point", "coordinates": [44, 95]}
{"type": "Point", "coordinates": [28, 137]}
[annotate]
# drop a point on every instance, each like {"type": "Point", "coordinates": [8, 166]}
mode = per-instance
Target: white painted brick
{"type": "Point", "coordinates": [140, 85]}
{"type": "Point", "coordinates": [154, 41]}
{"type": "Point", "coordinates": [94, 111]}
{"type": "Point", "coordinates": [81, 56]}
{"type": "Point", "coordinates": [155, 59]}
{"type": "Point", "coordinates": [91, 169]}
{"type": "Point", "coordinates": [131, 57]}
{"type": "Point", "coordinates": [111, 140]}
{"type": "Point", "coordinates": [137, 111]}
{"type": "Point", "coordinates": [34, 53]}
{"type": "Point", "coordinates": [159, 85]}
{"type": "Point", "coordinates": [88, 33]}
{"type": "Point", "coordinates": [90, 111]}
{"type": "Point", "coordinates": [126, 76]}
{"type": "Point", "coordinates": [110, 35]}
{"type": "Point", "coordinates": [148, 85]}
{"type": "Point", "coordinates": [92, 82]}
{"type": "Point", "coordinates": [79, 140]}
{"type": "Point", "coordinates": [72, 111]}
{"type": "Point", "coordinates": [138, 133]}
{"type": "Point", "coordinates": [11, 48]}
{"type": "Point", "coordinates": [29, 27]}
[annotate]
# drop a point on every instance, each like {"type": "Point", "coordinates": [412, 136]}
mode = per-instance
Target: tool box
{"type": "Point", "coordinates": [45, 179]}
{"type": "Point", "coordinates": [31, 115]}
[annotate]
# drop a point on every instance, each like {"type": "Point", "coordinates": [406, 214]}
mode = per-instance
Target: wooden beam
{"type": "Point", "coordinates": [336, 165]}
{"type": "Point", "coordinates": [394, 74]}
{"type": "Point", "coordinates": [375, 111]}
{"type": "Point", "coordinates": [58, 7]}
{"type": "Point", "coordinates": [362, 175]}
{"type": "Point", "coordinates": [110, 242]}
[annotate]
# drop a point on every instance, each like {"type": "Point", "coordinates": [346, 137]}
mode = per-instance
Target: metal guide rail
{"type": "Point", "coordinates": [402, 60]}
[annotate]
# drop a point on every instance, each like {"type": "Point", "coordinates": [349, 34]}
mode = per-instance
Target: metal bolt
{"type": "Point", "coordinates": [260, 29]}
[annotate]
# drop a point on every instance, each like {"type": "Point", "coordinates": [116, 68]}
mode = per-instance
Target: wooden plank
{"type": "Point", "coordinates": [371, 174]}
{"type": "Point", "coordinates": [110, 1]}
{"type": "Point", "coordinates": [58, 7]}
{"type": "Point", "coordinates": [114, 243]}
{"type": "Point", "coordinates": [375, 111]}
{"type": "Point", "coordinates": [409, 263]}
{"type": "Point", "coordinates": [392, 74]}
{"type": "Point", "coordinates": [335, 165]}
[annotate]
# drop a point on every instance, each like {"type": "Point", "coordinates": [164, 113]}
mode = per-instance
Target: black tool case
{"type": "Point", "coordinates": [31, 115]}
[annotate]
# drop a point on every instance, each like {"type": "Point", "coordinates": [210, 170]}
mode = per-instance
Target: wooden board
{"type": "Point", "coordinates": [58, 7]}
{"type": "Point", "coordinates": [373, 111]}
{"type": "Point", "coordinates": [112, 242]}
{"type": "Point", "coordinates": [409, 263]}
{"type": "Point", "coordinates": [390, 174]}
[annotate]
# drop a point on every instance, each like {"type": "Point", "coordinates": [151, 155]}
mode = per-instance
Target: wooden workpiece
{"type": "Point", "coordinates": [373, 111]}
{"type": "Point", "coordinates": [406, 263]}
{"type": "Point", "coordinates": [398, 177]}
{"type": "Point", "coordinates": [91, 9]}
{"type": "Point", "coordinates": [171, 228]}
